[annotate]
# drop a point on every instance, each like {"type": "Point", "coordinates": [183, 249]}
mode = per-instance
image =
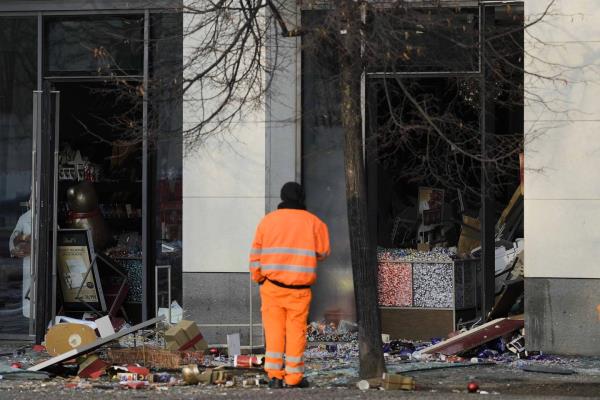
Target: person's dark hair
{"type": "Point", "coordinates": [292, 196]}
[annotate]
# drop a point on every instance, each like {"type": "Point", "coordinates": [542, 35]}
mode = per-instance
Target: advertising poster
{"type": "Point", "coordinates": [78, 281]}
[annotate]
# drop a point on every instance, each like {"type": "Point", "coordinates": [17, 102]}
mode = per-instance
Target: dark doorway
{"type": "Point", "coordinates": [100, 175]}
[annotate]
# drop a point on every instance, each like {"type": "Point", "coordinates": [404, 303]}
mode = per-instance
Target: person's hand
{"type": "Point", "coordinates": [25, 249]}
{"type": "Point", "coordinates": [22, 249]}
{"type": "Point", "coordinates": [18, 253]}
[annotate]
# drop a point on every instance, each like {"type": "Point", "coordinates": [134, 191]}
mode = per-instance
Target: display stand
{"type": "Point", "coordinates": [117, 297]}
{"type": "Point", "coordinates": [420, 299]}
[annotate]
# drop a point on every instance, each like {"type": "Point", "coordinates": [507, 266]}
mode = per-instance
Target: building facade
{"type": "Point", "coordinates": [561, 275]}
{"type": "Point", "coordinates": [180, 220]}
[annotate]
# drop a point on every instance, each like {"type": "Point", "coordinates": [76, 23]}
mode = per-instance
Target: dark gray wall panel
{"type": "Point", "coordinates": [323, 170]}
{"type": "Point", "coordinates": [561, 315]}
{"type": "Point", "coordinates": [222, 299]}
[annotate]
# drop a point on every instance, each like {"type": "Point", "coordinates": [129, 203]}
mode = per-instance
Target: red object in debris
{"type": "Point", "coordinates": [472, 387]}
{"type": "Point", "coordinates": [191, 343]}
{"type": "Point", "coordinates": [244, 361]}
{"type": "Point", "coordinates": [38, 348]}
{"type": "Point", "coordinates": [71, 385]}
{"type": "Point", "coordinates": [97, 374]}
{"type": "Point", "coordinates": [141, 372]}
{"type": "Point", "coordinates": [16, 365]}
{"type": "Point", "coordinates": [214, 351]}
{"type": "Point", "coordinates": [94, 370]}
{"type": "Point", "coordinates": [117, 323]}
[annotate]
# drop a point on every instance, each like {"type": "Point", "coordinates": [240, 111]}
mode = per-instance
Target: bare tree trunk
{"type": "Point", "coordinates": [364, 263]}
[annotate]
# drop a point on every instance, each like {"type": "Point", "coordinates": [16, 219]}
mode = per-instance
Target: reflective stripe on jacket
{"type": "Point", "coordinates": [286, 247]}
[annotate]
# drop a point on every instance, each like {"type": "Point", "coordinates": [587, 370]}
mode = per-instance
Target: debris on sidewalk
{"type": "Point", "coordinates": [84, 349]}
{"type": "Point", "coordinates": [233, 345]}
{"type": "Point", "coordinates": [155, 357]}
{"type": "Point", "coordinates": [388, 382]}
{"type": "Point", "coordinates": [193, 376]}
{"type": "Point", "coordinates": [137, 358]}
{"type": "Point", "coordinates": [476, 336]}
{"type": "Point", "coordinates": [245, 361]}
{"type": "Point", "coordinates": [366, 384]}
{"type": "Point", "coordinates": [398, 382]}
{"type": "Point", "coordinates": [472, 387]}
{"type": "Point", "coordinates": [92, 367]}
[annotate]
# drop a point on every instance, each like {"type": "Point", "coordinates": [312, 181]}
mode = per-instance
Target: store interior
{"type": "Point", "coordinates": [425, 196]}
{"type": "Point", "coordinates": [100, 182]}
{"type": "Point", "coordinates": [406, 154]}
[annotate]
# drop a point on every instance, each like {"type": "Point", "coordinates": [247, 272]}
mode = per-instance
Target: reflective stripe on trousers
{"type": "Point", "coordinates": [274, 366]}
{"type": "Point", "coordinates": [294, 370]}
{"type": "Point", "coordinates": [294, 359]}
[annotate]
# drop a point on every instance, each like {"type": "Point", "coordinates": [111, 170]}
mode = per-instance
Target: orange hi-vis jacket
{"type": "Point", "coordinates": [287, 245]}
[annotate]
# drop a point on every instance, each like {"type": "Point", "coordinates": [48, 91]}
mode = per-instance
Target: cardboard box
{"type": "Point", "coordinates": [180, 336]}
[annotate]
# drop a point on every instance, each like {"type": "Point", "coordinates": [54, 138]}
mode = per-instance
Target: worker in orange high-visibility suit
{"type": "Point", "coordinates": [283, 260]}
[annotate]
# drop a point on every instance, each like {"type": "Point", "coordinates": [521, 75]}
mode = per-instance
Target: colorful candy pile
{"type": "Point", "coordinates": [436, 255]}
{"type": "Point", "coordinates": [395, 284]}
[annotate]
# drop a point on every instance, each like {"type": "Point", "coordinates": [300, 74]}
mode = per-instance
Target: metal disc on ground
{"type": "Point", "coordinates": [64, 337]}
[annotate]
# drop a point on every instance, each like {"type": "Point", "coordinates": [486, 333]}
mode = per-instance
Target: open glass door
{"type": "Point", "coordinates": [18, 72]}
{"type": "Point", "coordinates": [46, 117]}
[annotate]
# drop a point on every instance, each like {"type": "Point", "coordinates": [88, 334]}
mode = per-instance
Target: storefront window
{"type": "Point", "coordinates": [95, 45]}
{"type": "Point", "coordinates": [18, 67]}
{"type": "Point", "coordinates": [439, 39]}
{"type": "Point", "coordinates": [165, 131]}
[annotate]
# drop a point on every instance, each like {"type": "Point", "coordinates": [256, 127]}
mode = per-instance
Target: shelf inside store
{"type": "Point", "coordinates": [115, 185]}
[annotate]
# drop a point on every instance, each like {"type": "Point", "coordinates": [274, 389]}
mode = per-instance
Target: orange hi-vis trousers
{"type": "Point", "coordinates": [284, 317]}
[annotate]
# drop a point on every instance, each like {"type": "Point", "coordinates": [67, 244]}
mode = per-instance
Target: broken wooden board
{"type": "Point", "coordinates": [470, 235]}
{"type": "Point", "coordinates": [509, 296]}
{"type": "Point", "coordinates": [511, 204]}
{"type": "Point", "coordinates": [476, 337]}
{"type": "Point", "coordinates": [76, 352]}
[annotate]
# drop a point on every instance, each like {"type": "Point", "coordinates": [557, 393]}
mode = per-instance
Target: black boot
{"type": "Point", "coordinates": [275, 383]}
{"type": "Point", "coordinates": [302, 385]}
